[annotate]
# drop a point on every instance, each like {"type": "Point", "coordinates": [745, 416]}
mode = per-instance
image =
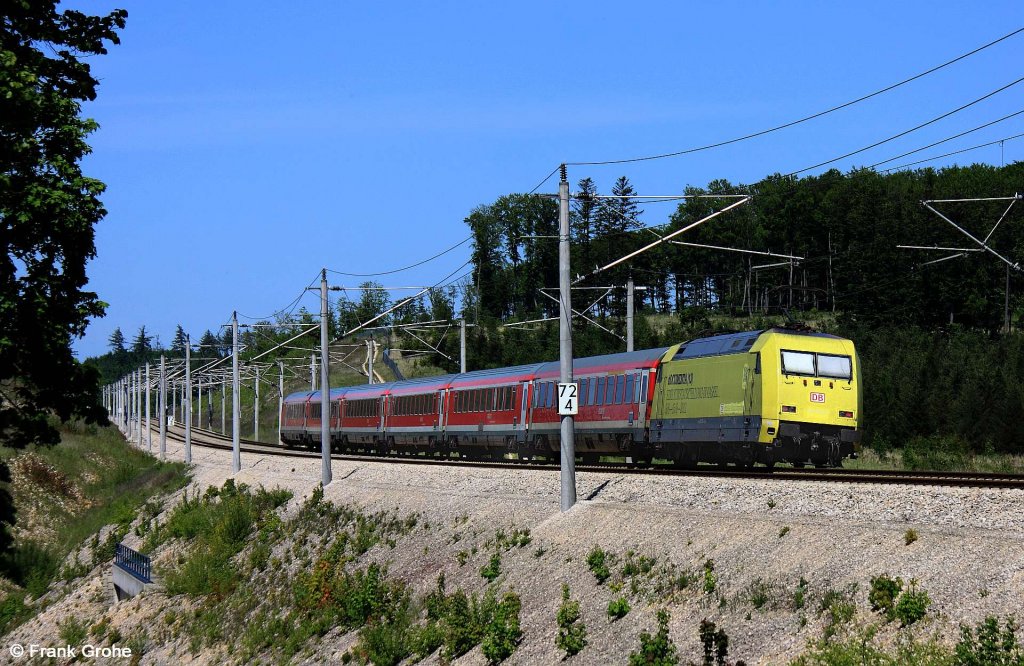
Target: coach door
{"type": "Point", "coordinates": [439, 422]}
{"type": "Point", "coordinates": [380, 421]}
{"type": "Point", "coordinates": [524, 404]}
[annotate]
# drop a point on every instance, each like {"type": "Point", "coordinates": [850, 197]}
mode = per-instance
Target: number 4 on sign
{"type": "Point", "coordinates": [568, 399]}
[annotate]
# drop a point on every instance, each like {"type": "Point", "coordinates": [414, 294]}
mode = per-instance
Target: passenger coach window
{"type": "Point", "coordinates": [592, 389]}
{"type": "Point", "coordinates": [600, 390]}
{"type": "Point", "coordinates": [629, 388]}
{"type": "Point", "coordinates": [837, 367]}
{"type": "Point", "coordinates": [620, 383]}
{"type": "Point", "coordinates": [797, 363]}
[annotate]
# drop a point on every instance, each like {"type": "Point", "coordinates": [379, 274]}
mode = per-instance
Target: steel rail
{"type": "Point", "coordinates": [211, 439]}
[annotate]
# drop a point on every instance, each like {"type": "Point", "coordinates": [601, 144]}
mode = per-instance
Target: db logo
{"type": "Point", "coordinates": [817, 397]}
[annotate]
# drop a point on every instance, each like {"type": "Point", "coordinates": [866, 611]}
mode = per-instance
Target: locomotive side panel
{"type": "Point", "coordinates": [708, 408]}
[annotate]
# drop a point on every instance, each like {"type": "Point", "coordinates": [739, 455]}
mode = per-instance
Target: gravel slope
{"type": "Point", "coordinates": [762, 536]}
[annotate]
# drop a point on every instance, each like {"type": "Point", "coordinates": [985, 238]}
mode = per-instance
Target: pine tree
{"type": "Point", "coordinates": [209, 344]}
{"type": "Point", "coordinates": [179, 341]}
{"type": "Point", "coordinates": [116, 341]}
{"type": "Point", "coordinates": [614, 219]}
{"type": "Point", "coordinates": [142, 344]}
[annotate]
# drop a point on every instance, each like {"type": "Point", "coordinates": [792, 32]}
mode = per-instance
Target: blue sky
{"type": "Point", "coordinates": [247, 145]}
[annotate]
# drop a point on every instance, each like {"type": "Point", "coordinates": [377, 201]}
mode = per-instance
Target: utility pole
{"type": "Point", "coordinates": [462, 346]}
{"type": "Point", "coordinates": [256, 407]}
{"type": "Point", "coordinates": [174, 402]}
{"type": "Point", "coordinates": [280, 399]}
{"type": "Point", "coordinates": [131, 405]}
{"type": "Point", "coordinates": [199, 405]}
{"type": "Point", "coordinates": [163, 408]}
{"type": "Point", "coordinates": [325, 386]}
{"type": "Point", "coordinates": [312, 373]}
{"type": "Point", "coordinates": [629, 314]}
{"type": "Point", "coordinates": [567, 440]}
{"type": "Point", "coordinates": [223, 406]}
{"type": "Point", "coordinates": [1006, 310]}
{"type": "Point", "coordinates": [187, 401]}
{"type": "Point", "coordinates": [236, 407]}
{"type": "Point", "coordinates": [149, 425]}
{"type": "Point", "coordinates": [138, 408]}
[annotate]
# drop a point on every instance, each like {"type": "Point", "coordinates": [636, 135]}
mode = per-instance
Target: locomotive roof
{"type": "Point", "coordinates": [716, 345]}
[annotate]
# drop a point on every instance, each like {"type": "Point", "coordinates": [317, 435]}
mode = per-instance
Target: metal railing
{"type": "Point", "coordinates": [133, 562]}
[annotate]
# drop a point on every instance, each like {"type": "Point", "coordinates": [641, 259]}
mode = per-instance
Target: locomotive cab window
{"type": "Point", "coordinates": [836, 367]}
{"type": "Point", "coordinates": [797, 363]}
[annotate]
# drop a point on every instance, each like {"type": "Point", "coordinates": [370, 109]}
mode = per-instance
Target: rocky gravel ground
{"type": "Point", "coordinates": [762, 538]}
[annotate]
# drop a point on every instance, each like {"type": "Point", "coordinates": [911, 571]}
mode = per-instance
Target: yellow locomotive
{"type": "Point", "coordinates": [778, 395]}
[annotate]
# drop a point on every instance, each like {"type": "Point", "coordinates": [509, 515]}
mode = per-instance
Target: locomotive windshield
{"type": "Point", "coordinates": [816, 365]}
{"type": "Point", "coordinates": [834, 366]}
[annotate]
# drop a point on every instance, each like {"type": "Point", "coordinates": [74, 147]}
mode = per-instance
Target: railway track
{"type": "Point", "coordinates": [214, 440]}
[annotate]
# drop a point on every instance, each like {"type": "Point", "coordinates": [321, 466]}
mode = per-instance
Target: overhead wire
{"type": "Point", "coordinates": [908, 131]}
{"type": "Point", "coordinates": [404, 268]}
{"type": "Point", "coordinates": [800, 120]}
{"type": "Point", "coordinates": [955, 152]}
{"type": "Point", "coordinates": [950, 138]}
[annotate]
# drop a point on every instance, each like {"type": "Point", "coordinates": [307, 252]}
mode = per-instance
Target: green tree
{"type": "Point", "coordinates": [116, 342]}
{"type": "Point", "coordinates": [142, 344]}
{"type": "Point", "coordinates": [48, 208]}
{"type": "Point", "coordinates": [373, 300]}
{"type": "Point", "coordinates": [179, 341]}
{"type": "Point", "coordinates": [209, 345]}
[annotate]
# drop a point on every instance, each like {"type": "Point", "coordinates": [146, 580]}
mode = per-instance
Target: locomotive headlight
{"type": "Point", "coordinates": [789, 408]}
{"type": "Point", "coordinates": [845, 415]}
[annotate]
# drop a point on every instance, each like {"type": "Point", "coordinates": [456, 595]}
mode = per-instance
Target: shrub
{"type": "Point", "coordinates": [12, 612]}
{"type": "Point", "coordinates": [800, 596]}
{"type": "Point", "coordinates": [572, 633]}
{"type": "Point", "coordinates": [502, 634]}
{"type": "Point", "coordinates": [840, 608]}
{"type": "Point", "coordinates": [710, 581]}
{"type": "Point", "coordinates": [33, 566]}
{"type": "Point", "coordinates": [912, 605]}
{"type": "Point", "coordinates": [656, 650]}
{"type": "Point", "coordinates": [597, 561]}
{"type": "Point", "coordinates": [492, 569]}
{"type": "Point", "coordinates": [888, 596]}
{"type": "Point", "coordinates": [989, 644]}
{"type": "Point", "coordinates": [759, 593]}
{"type": "Point", "coordinates": [884, 591]}
{"type": "Point", "coordinates": [72, 631]}
{"type": "Point", "coordinates": [784, 531]}
{"type": "Point", "coordinates": [618, 608]}
{"type": "Point", "coordinates": [715, 643]}
{"type": "Point", "coordinates": [910, 536]}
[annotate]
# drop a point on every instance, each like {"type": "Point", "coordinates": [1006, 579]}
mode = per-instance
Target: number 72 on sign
{"type": "Point", "coordinates": [568, 399]}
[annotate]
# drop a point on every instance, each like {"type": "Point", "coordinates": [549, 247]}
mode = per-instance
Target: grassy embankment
{"type": "Point", "coordinates": [64, 495]}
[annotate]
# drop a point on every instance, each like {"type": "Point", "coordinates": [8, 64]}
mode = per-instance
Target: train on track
{"type": "Point", "coordinates": [777, 395]}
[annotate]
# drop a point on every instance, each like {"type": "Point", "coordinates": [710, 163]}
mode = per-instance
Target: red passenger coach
{"type": "Point", "coordinates": [489, 408]}
{"type": "Point", "coordinates": [362, 415]}
{"type": "Point", "coordinates": [293, 419]}
{"type": "Point", "coordinates": [415, 412]}
{"type": "Point", "coordinates": [615, 393]}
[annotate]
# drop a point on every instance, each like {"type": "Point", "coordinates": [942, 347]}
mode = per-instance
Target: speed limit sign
{"type": "Point", "coordinates": [568, 399]}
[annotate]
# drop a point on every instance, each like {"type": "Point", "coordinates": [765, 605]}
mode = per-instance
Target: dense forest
{"type": "Point", "coordinates": [941, 370]}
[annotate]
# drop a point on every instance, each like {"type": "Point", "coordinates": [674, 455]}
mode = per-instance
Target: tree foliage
{"type": "Point", "coordinates": [48, 208]}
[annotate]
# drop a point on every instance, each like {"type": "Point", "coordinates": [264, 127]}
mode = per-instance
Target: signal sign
{"type": "Point", "coordinates": [568, 399]}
